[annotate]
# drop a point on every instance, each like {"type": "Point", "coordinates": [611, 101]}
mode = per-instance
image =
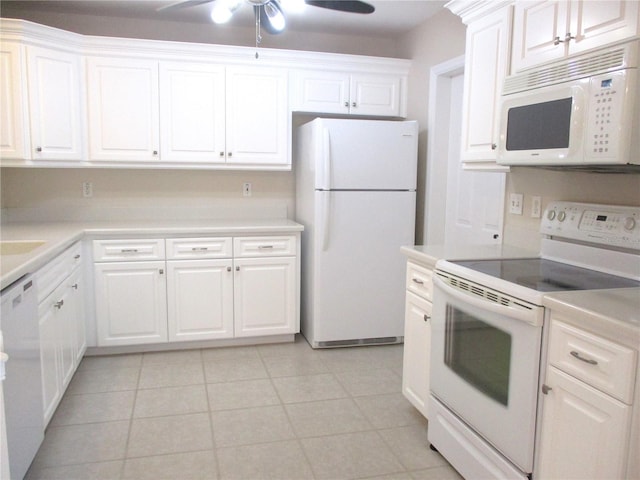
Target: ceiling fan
{"type": "Point", "coordinates": [269, 13]}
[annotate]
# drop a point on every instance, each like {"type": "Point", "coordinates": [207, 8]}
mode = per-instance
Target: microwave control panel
{"type": "Point", "coordinates": [605, 114]}
{"type": "Point", "coordinates": [601, 224]}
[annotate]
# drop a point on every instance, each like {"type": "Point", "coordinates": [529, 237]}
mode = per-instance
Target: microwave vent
{"type": "Point", "coordinates": [575, 68]}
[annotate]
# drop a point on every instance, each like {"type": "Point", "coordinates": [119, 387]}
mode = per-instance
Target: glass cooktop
{"type": "Point", "coordinates": [546, 275]}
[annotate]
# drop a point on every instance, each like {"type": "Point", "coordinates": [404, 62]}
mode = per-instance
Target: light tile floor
{"type": "Point", "coordinates": [281, 411]}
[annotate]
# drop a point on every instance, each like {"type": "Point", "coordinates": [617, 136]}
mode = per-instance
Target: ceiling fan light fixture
{"type": "Point", "coordinates": [275, 18]}
{"type": "Point", "coordinates": [223, 10]}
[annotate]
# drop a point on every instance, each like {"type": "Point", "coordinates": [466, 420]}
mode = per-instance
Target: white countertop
{"type": "Point", "coordinates": [58, 236]}
{"type": "Point", "coordinates": [430, 254]}
{"type": "Point", "coordinates": [612, 313]}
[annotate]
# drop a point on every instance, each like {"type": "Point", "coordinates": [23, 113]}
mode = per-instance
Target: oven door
{"type": "Point", "coordinates": [485, 358]}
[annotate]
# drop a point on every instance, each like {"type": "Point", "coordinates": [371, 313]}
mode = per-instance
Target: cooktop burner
{"type": "Point", "coordinates": [546, 275]}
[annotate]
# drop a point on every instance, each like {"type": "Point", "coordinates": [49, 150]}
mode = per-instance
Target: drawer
{"type": "Point", "coordinates": [128, 250]}
{"type": "Point", "coordinates": [54, 272]}
{"type": "Point", "coordinates": [419, 280]}
{"type": "Point", "coordinates": [605, 365]}
{"type": "Point", "coordinates": [192, 248]}
{"type": "Point", "coordinates": [268, 246]}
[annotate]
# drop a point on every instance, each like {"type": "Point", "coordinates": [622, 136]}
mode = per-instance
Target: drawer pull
{"type": "Point", "coordinates": [74, 286]}
{"type": "Point", "coordinates": [129, 250]}
{"type": "Point", "coordinates": [582, 359]}
{"type": "Point", "coordinates": [426, 317]}
{"type": "Point", "coordinates": [199, 249]}
{"type": "Point", "coordinates": [265, 247]}
{"type": "Point", "coordinates": [59, 304]}
{"type": "Point", "coordinates": [418, 281]}
{"type": "Point", "coordinates": [76, 257]}
{"type": "Point", "coordinates": [546, 389]}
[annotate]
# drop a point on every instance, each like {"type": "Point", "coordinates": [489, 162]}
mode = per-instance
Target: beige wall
{"type": "Point", "coordinates": [439, 39]}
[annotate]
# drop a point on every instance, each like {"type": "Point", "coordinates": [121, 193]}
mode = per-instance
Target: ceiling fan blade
{"type": "Point", "coordinates": [351, 6]}
{"type": "Point", "coordinates": [183, 4]}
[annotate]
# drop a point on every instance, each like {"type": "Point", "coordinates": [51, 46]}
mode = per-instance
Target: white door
{"type": "Point", "coordinates": [417, 341]}
{"type": "Point", "coordinates": [192, 113]}
{"type": "Point", "coordinates": [474, 199]}
{"type": "Point", "coordinates": [54, 96]}
{"type": "Point", "coordinates": [359, 270]}
{"type": "Point", "coordinates": [123, 110]}
{"type": "Point", "coordinates": [366, 154]}
{"type": "Point", "coordinates": [14, 125]}
{"type": "Point", "coordinates": [265, 296]}
{"type": "Point", "coordinates": [49, 358]}
{"type": "Point", "coordinates": [584, 431]}
{"type": "Point", "coordinates": [200, 299]}
{"type": "Point", "coordinates": [375, 95]}
{"type": "Point", "coordinates": [131, 303]}
{"type": "Point", "coordinates": [257, 116]}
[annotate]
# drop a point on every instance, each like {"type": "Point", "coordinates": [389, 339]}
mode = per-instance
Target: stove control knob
{"type": "Point", "coordinates": [629, 223]}
{"type": "Point", "coordinates": [551, 214]}
{"type": "Point", "coordinates": [562, 216]}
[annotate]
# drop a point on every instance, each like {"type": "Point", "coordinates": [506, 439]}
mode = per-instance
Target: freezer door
{"type": "Point", "coordinates": [358, 268]}
{"type": "Point", "coordinates": [366, 154]}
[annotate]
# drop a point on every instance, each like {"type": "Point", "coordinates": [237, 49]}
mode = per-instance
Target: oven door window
{"type": "Point", "coordinates": [478, 353]}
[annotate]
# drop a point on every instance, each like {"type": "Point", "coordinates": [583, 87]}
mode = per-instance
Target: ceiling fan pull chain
{"type": "Point", "coordinates": [256, 12]}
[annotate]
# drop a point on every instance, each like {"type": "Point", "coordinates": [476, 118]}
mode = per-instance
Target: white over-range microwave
{"type": "Point", "coordinates": [581, 111]}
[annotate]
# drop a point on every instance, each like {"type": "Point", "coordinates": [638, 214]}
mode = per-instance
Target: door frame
{"type": "Point", "coordinates": [438, 147]}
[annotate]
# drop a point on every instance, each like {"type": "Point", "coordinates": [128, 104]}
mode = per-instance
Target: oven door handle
{"type": "Point", "coordinates": [532, 315]}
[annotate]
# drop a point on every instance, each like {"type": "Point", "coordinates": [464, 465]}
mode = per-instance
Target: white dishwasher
{"type": "Point", "coordinates": [23, 383]}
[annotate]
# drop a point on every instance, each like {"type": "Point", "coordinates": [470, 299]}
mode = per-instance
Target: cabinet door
{"type": "Point", "coordinates": [54, 98]}
{"type": "Point", "coordinates": [265, 296]}
{"type": "Point", "coordinates": [200, 299]}
{"type": "Point", "coordinates": [65, 314]}
{"type": "Point", "coordinates": [257, 117]}
{"type": "Point", "coordinates": [49, 359]}
{"type": "Point", "coordinates": [584, 432]}
{"type": "Point", "coordinates": [76, 285]}
{"type": "Point", "coordinates": [598, 23]}
{"type": "Point", "coordinates": [14, 128]}
{"type": "Point", "coordinates": [123, 110]}
{"type": "Point", "coordinates": [417, 341]}
{"type": "Point", "coordinates": [131, 303]}
{"type": "Point", "coordinates": [321, 92]}
{"type": "Point", "coordinates": [192, 113]}
{"type": "Point", "coordinates": [536, 26]}
{"type": "Point", "coordinates": [375, 95]}
{"type": "Point", "coordinates": [486, 66]}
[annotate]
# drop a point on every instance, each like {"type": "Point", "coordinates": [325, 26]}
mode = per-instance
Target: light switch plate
{"type": "Point", "coordinates": [515, 203]}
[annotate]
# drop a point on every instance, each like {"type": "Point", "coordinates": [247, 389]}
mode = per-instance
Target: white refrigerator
{"type": "Point", "coordinates": [356, 197]}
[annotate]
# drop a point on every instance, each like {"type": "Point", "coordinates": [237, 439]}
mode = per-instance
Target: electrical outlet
{"type": "Point", "coordinates": [246, 189]}
{"type": "Point", "coordinates": [87, 189]}
{"type": "Point", "coordinates": [515, 203]}
{"type": "Point", "coordinates": [536, 207]}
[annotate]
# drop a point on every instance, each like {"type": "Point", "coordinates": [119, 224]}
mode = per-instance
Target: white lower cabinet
{"type": "Point", "coordinates": [264, 296]}
{"type": "Point", "coordinates": [200, 299]}
{"type": "Point", "coordinates": [205, 288]}
{"type": "Point", "coordinates": [417, 336]}
{"type": "Point", "coordinates": [62, 329]}
{"type": "Point", "coordinates": [131, 302]}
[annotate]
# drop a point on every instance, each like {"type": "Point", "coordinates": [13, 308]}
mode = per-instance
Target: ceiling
{"type": "Point", "coordinates": [391, 17]}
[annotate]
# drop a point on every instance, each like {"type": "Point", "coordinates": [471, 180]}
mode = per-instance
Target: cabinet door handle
{"type": "Point", "coordinates": [38, 149]}
{"type": "Point", "coordinates": [76, 257]}
{"type": "Point", "coordinates": [74, 286]}
{"type": "Point", "coordinates": [265, 247]}
{"type": "Point", "coordinates": [418, 281]}
{"type": "Point", "coordinates": [230, 154]}
{"type": "Point", "coordinates": [582, 359]}
{"type": "Point", "coordinates": [346, 104]}
{"type": "Point", "coordinates": [546, 389]}
{"type": "Point", "coordinates": [155, 152]}
{"type": "Point", "coordinates": [59, 304]}
{"type": "Point", "coordinates": [353, 104]}
{"type": "Point", "coordinates": [237, 268]}
{"type": "Point", "coordinates": [426, 317]}
{"type": "Point", "coordinates": [228, 269]}
{"type": "Point", "coordinates": [222, 154]}
{"type": "Point", "coordinates": [161, 271]}
{"type": "Point", "coordinates": [557, 41]}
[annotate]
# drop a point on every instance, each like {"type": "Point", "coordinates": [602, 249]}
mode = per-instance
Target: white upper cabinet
{"type": "Point", "coordinates": [192, 112]}
{"type": "Point", "coordinates": [123, 110]}
{"type": "Point", "coordinates": [548, 30]}
{"type": "Point", "coordinates": [486, 66]}
{"type": "Point", "coordinates": [14, 129]}
{"type": "Point", "coordinates": [55, 107]}
{"type": "Point", "coordinates": [318, 91]}
{"type": "Point", "coordinates": [257, 117]}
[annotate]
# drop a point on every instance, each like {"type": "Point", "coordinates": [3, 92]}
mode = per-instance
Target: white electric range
{"type": "Point", "coordinates": [487, 333]}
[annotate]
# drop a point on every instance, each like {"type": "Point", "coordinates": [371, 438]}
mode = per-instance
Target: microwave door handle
{"type": "Point", "coordinates": [533, 317]}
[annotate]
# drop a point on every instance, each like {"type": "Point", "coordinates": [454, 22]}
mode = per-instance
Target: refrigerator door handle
{"type": "Point", "coordinates": [326, 158]}
{"type": "Point", "coordinates": [326, 212]}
